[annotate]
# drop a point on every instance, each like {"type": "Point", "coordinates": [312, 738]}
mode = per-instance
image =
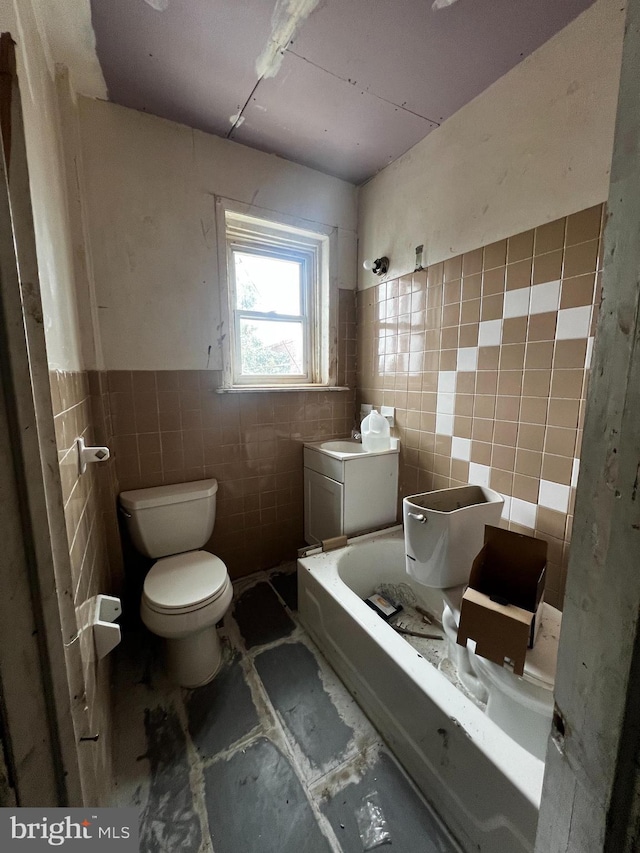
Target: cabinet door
{"type": "Point", "coordinates": [323, 500]}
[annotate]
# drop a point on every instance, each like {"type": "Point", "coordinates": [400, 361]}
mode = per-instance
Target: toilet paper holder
{"type": "Point", "coordinates": [90, 454]}
{"type": "Point", "coordinates": [106, 634]}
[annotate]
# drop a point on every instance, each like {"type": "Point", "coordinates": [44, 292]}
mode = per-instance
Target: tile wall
{"type": "Point", "coordinates": [172, 426]}
{"type": "Point", "coordinates": [95, 565]}
{"type": "Point", "coordinates": [486, 359]}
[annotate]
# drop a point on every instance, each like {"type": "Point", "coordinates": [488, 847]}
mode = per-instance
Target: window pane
{"type": "Point", "coordinates": [271, 348]}
{"type": "Point", "coordinates": [267, 284]}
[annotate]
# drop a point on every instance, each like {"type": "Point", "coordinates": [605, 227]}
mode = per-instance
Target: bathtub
{"type": "Point", "coordinates": [485, 787]}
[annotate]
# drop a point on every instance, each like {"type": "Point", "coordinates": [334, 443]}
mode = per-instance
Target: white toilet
{"type": "Point", "coordinates": [187, 591]}
{"type": "Point", "coordinates": [444, 530]}
{"type": "Point", "coordinates": [523, 705]}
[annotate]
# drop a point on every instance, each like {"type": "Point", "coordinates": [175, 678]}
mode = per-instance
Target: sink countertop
{"type": "Point", "coordinates": [347, 448]}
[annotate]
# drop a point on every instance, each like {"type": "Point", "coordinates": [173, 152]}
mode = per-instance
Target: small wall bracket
{"type": "Point", "coordinates": [106, 633]}
{"type": "Point", "coordinates": [90, 454]}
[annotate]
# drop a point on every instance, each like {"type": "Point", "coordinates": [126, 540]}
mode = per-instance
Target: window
{"type": "Point", "coordinates": [278, 304]}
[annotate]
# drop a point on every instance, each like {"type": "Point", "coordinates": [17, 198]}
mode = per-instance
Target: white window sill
{"type": "Point", "coordinates": [244, 389]}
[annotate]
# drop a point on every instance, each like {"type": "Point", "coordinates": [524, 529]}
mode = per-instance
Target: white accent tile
{"type": "Point", "coordinates": [490, 333]}
{"type": "Point", "coordinates": [589, 356]}
{"type": "Point", "coordinates": [545, 297]}
{"type": "Point", "coordinates": [573, 323]}
{"type": "Point", "coordinates": [506, 508]}
{"type": "Point", "coordinates": [479, 474]}
{"type": "Point", "coordinates": [523, 512]}
{"type": "Point", "coordinates": [467, 358]}
{"type": "Point", "coordinates": [447, 381]}
{"type": "Point", "coordinates": [444, 424]}
{"type": "Point", "coordinates": [554, 495]}
{"type": "Point", "coordinates": [461, 448]}
{"type": "Point", "coordinates": [445, 403]}
{"type": "Point", "coordinates": [574, 472]}
{"type": "Point", "coordinates": [516, 302]}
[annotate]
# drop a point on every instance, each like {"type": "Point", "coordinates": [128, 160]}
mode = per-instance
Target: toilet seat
{"type": "Point", "coordinates": [184, 583]}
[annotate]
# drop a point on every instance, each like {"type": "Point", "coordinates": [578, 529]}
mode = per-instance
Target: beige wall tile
{"type": "Point", "coordinates": [514, 330]}
{"type": "Point", "coordinates": [471, 287]}
{"type": "Point", "coordinates": [547, 267]}
{"type": "Point", "coordinates": [503, 457]}
{"type": "Point", "coordinates": [526, 488]}
{"type": "Point", "coordinates": [580, 259]}
{"type": "Point", "coordinates": [501, 481]}
{"type": "Point", "coordinates": [472, 262]}
{"type": "Point", "coordinates": [494, 281]}
{"type": "Point", "coordinates": [519, 274]}
{"type": "Point", "coordinates": [577, 291]}
{"type": "Point", "coordinates": [495, 254]}
{"type": "Point", "coordinates": [528, 462]}
{"type": "Point", "coordinates": [542, 327]}
{"type": "Point", "coordinates": [491, 308]}
{"type": "Point", "coordinates": [505, 432]}
{"type": "Point", "coordinates": [584, 225]}
{"type": "Point", "coordinates": [520, 246]}
{"type": "Point", "coordinates": [560, 441]}
{"type": "Point", "coordinates": [557, 469]}
{"type": "Point", "coordinates": [531, 436]}
{"type": "Point", "coordinates": [550, 236]}
{"type": "Point", "coordinates": [453, 268]}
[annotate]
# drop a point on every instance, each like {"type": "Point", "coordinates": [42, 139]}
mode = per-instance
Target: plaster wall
{"type": "Point", "coordinates": [150, 187]}
{"type": "Point", "coordinates": [532, 148]}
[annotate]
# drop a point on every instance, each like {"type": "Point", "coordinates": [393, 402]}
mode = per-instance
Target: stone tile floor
{"type": "Point", "coordinates": [273, 756]}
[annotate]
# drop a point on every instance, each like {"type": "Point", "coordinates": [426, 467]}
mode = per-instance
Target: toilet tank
{"type": "Point", "coordinates": [170, 519]}
{"type": "Point", "coordinates": [444, 530]}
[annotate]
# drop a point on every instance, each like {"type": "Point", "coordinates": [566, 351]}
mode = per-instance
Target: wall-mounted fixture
{"type": "Point", "coordinates": [89, 454]}
{"type": "Point", "coordinates": [106, 633]}
{"type": "Point", "coordinates": [419, 251]}
{"type": "Point", "coordinates": [378, 267]}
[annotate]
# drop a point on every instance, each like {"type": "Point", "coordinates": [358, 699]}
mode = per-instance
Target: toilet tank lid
{"type": "Point", "coordinates": [173, 494]}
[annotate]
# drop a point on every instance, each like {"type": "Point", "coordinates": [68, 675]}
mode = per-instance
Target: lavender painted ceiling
{"type": "Point", "coordinates": [349, 86]}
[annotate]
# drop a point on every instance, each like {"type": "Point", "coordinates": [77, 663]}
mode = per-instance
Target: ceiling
{"type": "Point", "coordinates": [343, 87]}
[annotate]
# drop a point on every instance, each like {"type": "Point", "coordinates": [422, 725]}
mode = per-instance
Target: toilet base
{"type": "Point", "coordinates": [460, 657]}
{"type": "Point", "coordinates": [527, 727]}
{"type": "Point", "coordinates": [194, 660]}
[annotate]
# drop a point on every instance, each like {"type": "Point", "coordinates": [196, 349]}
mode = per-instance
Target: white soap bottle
{"type": "Point", "coordinates": [375, 432]}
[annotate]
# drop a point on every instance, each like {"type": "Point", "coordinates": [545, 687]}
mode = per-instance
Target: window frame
{"type": "Point", "coordinates": [251, 230]}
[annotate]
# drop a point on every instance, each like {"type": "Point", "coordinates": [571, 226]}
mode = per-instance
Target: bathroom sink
{"type": "Point", "coordinates": [342, 445]}
{"type": "Point", "coordinates": [345, 448]}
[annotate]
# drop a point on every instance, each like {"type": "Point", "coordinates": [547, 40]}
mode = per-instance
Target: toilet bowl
{"type": "Point", "coordinates": [187, 591]}
{"type": "Point", "coordinates": [444, 530]}
{"type": "Point", "coordinates": [521, 705]}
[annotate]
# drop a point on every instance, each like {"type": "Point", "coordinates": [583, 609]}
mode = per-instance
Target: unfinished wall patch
{"type": "Point", "coordinates": [287, 17]}
{"type": "Point", "coordinates": [158, 5]}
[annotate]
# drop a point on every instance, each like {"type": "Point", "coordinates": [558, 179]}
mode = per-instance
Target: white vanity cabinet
{"type": "Point", "coordinates": [347, 490]}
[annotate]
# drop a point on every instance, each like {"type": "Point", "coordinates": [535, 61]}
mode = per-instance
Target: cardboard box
{"type": "Point", "coordinates": [502, 604]}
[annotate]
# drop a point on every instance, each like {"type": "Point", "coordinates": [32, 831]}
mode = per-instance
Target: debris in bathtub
{"type": "Point", "coordinates": [372, 824]}
{"type": "Point", "coordinates": [384, 607]}
{"type": "Point", "coordinates": [430, 618]}
{"type": "Point", "coordinates": [409, 633]}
